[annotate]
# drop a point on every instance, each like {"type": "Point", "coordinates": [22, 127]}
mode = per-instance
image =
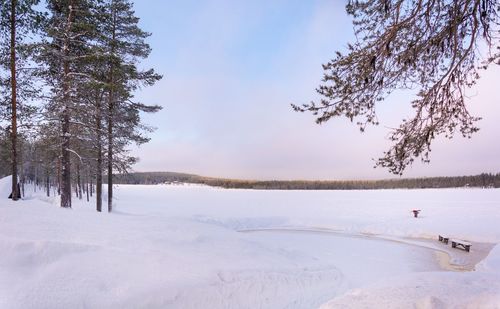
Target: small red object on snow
{"type": "Point", "coordinates": [415, 212]}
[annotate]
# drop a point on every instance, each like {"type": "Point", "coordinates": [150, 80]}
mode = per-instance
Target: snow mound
{"type": "Point", "coordinates": [492, 262]}
{"type": "Point", "coordinates": [427, 291]}
{"type": "Point", "coordinates": [5, 187]}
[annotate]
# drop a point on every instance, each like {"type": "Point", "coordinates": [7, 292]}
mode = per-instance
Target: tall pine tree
{"type": "Point", "coordinates": [19, 21]}
{"type": "Point", "coordinates": [68, 51]}
{"type": "Point", "coordinates": [125, 44]}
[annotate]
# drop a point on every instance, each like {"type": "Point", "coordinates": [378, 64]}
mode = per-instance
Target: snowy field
{"type": "Point", "coordinates": [202, 247]}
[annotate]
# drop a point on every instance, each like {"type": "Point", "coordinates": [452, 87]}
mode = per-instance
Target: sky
{"type": "Point", "coordinates": [232, 68]}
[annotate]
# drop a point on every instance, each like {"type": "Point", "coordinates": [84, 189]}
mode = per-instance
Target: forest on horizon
{"type": "Point", "coordinates": [484, 180]}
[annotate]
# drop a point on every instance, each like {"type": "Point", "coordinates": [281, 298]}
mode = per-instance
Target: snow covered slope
{"type": "Point", "coordinates": [185, 247]}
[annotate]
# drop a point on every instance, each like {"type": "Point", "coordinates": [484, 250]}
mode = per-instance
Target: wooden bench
{"type": "Point", "coordinates": [457, 243]}
{"type": "Point", "coordinates": [444, 239]}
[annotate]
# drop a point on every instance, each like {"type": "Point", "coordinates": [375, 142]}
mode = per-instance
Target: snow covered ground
{"type": "Point", "coordinates": [202, 247]}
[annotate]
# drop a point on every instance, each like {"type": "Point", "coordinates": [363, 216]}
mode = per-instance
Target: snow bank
{"type": "Point", "coordinates": [492, 262]}
{"type": "Point", "coordinates": [5, 187]}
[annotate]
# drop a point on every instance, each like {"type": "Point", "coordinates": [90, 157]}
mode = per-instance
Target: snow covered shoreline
{"type": "Point", "coordinates": [179, 247]}
{"type": "Point", "coordinates": [447, 257]}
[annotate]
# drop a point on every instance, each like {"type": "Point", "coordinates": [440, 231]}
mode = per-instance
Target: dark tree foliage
{"type": "Point", "coordinates": [436, 47]}
{"type": "Point", "coordinates": [70, 31]}
{"type": "Point", "coordinates": [482, 181]}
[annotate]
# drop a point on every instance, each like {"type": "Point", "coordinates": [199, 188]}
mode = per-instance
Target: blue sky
{"type": "Point", "coordinates": [231, 70]}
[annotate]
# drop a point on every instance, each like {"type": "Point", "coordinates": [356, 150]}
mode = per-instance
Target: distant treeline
{"type": "Point", "coordinates": [481, 181]}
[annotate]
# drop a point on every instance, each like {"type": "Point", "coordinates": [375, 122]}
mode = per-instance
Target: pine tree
{"type": "Point", "coordinates": [71, 30]}
{"type": "Point", "coordinates": [18, 21]}
{"type": "Point", "coordinates": [429, 45]}
{"type": "Point", "coordinates": [125, 44]}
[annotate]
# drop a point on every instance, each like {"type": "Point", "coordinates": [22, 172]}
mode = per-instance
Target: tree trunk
{"type": "Point", "coordinates": [65, 126]}
{"type": "Point", "coordinates": [13, 81]}
{"type": "Point", "coordinates": [87, 191]}
{"type": "Point", "coordinates": [22, 176]}
{"type": "Point", "coordinates": [86, 185]}
{"type": "Point", "coordinates": [65, 160]}
{"type": "Point", "coordinates": [79, 180]}
{"type": "Point", "coordinates": [110, 161]}
{"type": "Point", "coordinates": [47, 179]}
{"type": "Point", "coordinates": [98, 192]}
{"type": "Point", "coordinates": [35, 185]}
{"type": "Point", "coordinates": [99, 156]}
{"type": "Point", "coordinates": [110, 113]}
{"type": "Point", "coordinates": [59, 176]}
